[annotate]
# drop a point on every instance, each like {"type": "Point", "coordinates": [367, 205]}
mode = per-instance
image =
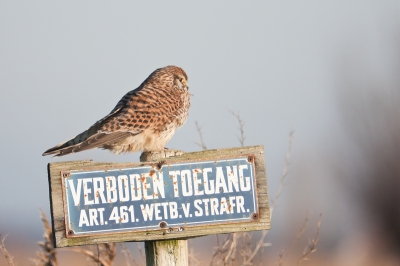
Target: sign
{"type": "Point", "coordinates": [191, 195]}
{"type": "Point", "coordinates": [177, 195]}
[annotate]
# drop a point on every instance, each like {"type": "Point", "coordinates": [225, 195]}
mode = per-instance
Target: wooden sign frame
{"type": "Point", "coordinates": [58, 212]}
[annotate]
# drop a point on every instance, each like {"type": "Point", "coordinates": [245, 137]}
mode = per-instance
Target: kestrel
{"type": "Point", "coordinates": [145, 119]}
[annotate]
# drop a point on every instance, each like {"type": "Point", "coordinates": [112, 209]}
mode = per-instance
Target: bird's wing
{"type": "Point", "coordinates": [96, 140]}
{"type": "Point", "coordinates": [138, 110]}
{"type": "Point", "coordinates": [95, 137]}
{"type": "Point", "coordinates": [120, 105]}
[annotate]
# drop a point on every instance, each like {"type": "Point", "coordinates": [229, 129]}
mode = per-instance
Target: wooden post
{"type": "Point", "coordinates": [165, 252]}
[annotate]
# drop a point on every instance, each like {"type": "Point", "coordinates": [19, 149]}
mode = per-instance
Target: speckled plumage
{"type": "Point", "coordinates": [144, 119]}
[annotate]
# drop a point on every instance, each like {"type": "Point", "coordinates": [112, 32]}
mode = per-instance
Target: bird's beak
{"type": "Point", "coordinates": [185, 84]}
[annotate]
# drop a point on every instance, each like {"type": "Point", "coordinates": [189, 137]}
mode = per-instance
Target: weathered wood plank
{"type": "Point", "coordinates": [167, 252]}
{"type": "Point", "coordinates": [57, 205]}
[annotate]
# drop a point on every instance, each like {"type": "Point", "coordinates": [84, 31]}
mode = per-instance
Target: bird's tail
{"type": "Point", "coordinates": [68, 146]}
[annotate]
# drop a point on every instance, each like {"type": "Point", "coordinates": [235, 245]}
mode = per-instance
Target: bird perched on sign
{"type": "Point", "coordinates": [145, 119]}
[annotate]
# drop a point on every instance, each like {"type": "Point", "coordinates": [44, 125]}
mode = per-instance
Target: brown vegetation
{"type": "Point", "coordinates": [244, 248]}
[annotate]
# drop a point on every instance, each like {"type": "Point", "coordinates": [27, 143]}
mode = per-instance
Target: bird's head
{"type": "Point", "coordinates": [180, 81]}
{"type": "Point", "coordinates": [172, 75]}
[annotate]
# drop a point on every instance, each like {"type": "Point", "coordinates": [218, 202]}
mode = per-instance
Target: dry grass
{"type": "Point", "coordinates": [312, 245]}
{"type": "Point", "coordinates": [6, 254]}
{"type": "Point", "coordinates": [128, 255]}
{"type": "Point", "coordinates": [284, 254]}
{"type": "Point", "coordinates": [193, 257]}
{"type": "Point", "coordinates": [243, 248]}
{"type": "Point", "coordinates": [231, 249]}
{"type": "Point", "coordinates": [243, 244]}
{"type": "Point", "coordinates": [48, 255]}
{"type": "Point", "coordinates": [101, 254]}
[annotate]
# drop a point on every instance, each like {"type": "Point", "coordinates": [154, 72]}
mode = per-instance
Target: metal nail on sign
{"type": "Point", "coordinates": [174, 197]}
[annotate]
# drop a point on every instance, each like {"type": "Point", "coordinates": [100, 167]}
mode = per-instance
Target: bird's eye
{"type": "Point", "coordinates": [181, 80]}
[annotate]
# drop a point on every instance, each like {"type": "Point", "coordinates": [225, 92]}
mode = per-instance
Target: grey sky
{"type": "Point", "coordinates": [65, 65]}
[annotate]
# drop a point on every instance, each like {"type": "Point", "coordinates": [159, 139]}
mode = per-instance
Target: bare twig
{"type": "Point", "coordinates": [312, 245]}
{"type": "Point", "coordinates": [241, 127]}
{"type": "Point", "coordinates": [261, 243]}
{"type": "Point", "coordinates": [247, 243]}
{"type": "Point", "coordinates": [105, 256]}
{"type": "Point", "coordinates": [128, 255]}
{"type": "Point", "coordinates": [285, 171]}
{"type": "Point", "coordinates": [243, 244]}
{"type": "Point", "coordinates": [6, 254]}
{"type": "Point", "coordinates": [201, 143]}
{"type": "Point", "coordinates": [141, 252]}
{"type": "Point", "coordinates": [91, 255]}
{"type": "Point", "coordinates": [108, 251]}
{"type": "Point", "coordinates": [220, 250]}
{"type": "Point", "coordinates": [235, 249]}
{"type": "Point", "coordinates": [215, 253]}
{"type": "Point", "coordinates": [282, 255]}
{"type": "Point", "coordinates": [48, 255]}
{"type": "Point", "coordinates": [232, 248]}
{"type": "Point", "coordinates": [193, 261]}
{"type": "Point", "coordinates": [260, 258]}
